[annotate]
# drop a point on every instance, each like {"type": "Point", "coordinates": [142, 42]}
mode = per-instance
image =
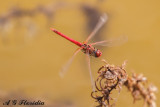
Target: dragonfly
{"type": "Point", "coordinates": [88, 49]}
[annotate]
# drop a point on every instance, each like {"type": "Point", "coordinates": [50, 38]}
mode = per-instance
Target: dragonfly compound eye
{"type": "Point", "coordinates": [98, 53]}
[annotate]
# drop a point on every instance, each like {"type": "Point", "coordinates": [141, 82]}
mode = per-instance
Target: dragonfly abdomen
{"type": "Point", "coordinates": [66, 37]}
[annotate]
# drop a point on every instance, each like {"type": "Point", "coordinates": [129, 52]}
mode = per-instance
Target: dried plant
{"type": "Point", "coordinates": [136, 85]}
{"type": "Point", "coordinates": [112, 77]}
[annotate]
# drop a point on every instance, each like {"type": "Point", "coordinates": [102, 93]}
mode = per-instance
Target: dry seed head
{"type": "Point", "coordinates": [112, 77]}
{"type": "Point", "coordinates": [109, 77]}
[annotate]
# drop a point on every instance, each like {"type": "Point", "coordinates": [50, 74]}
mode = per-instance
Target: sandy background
{"type": "Point", "coordinates": [31, 62]}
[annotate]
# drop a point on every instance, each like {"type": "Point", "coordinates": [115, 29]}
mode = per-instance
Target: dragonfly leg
{"type": "Point", "coordinates": [90, 72]}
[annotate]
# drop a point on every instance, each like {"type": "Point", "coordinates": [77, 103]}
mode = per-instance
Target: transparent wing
{"type": "Point", "coordinates": [100, 23]}
{"type": "Point", "coordinates": [90, 72]}
{"type": "Point", "coordinates": [112, 42]}
{"type": "Point", "coordinates": [67, 65]}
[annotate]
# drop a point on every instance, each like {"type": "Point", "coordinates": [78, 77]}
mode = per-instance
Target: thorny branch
{"type": "Point", "coordinates": [112, 77]}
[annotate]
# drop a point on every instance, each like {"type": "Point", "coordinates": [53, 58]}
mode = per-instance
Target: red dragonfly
{"type": "Point", "coordinates": [88, 49]}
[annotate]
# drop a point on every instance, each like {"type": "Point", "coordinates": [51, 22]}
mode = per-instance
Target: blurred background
{"type": "Point", "coordinates": [31, 55]}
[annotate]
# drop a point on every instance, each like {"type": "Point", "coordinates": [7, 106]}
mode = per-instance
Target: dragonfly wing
{"type": "Point", "coordinates": [100, 23]}
{"type": "Point", "coordinates": [67, 65]}
{"type": "Point", "coordinates": [112, 42]}
{"type": "Point", "coordinates": [90, 72]}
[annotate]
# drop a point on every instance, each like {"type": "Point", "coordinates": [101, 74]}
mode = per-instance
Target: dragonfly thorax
{"type": "Point", "coordinates": [92, 51]}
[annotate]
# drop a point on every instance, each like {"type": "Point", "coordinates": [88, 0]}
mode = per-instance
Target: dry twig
{"type": "Point", "coordinates": [112, 77]}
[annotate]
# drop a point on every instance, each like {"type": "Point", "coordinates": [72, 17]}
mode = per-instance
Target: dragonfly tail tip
{"type": "Point", "coordinates": [52, 29]}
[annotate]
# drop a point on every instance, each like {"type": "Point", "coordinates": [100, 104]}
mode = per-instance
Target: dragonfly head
{"type": "Point", "coordinates": [98, 53]}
